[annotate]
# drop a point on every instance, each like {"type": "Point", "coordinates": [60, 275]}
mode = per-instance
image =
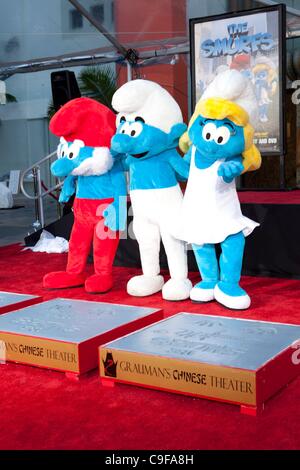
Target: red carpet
{"type": "Point", "coordinates": [270, 197]}
{"type": "Point", "coordinates": [42, 409]}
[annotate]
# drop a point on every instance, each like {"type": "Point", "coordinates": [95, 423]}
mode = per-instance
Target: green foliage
{"type": "Point", "coordinates": [94, 82]}
{"type": "Point", "coordinates": [98, 83]}
{"type": "Point", "coordinates": [50, 110]}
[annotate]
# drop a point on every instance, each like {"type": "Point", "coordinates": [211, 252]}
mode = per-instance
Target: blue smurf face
{"type": "Point", "coordinates": [140, 140]}
{"type": "Point", "coordinates": [217, 138]}
{"type": "Point", "coordinates": [262, 75]}
{"type": "Point", "coordinates": [247, 73]}
{"type": "Point", "coordinates": [70, 156]}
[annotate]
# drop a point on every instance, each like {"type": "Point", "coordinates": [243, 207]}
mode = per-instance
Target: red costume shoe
{"type": "Point", "coordinates": [99, 283]}
{"type": "Point", "coordinates": [63, 280]}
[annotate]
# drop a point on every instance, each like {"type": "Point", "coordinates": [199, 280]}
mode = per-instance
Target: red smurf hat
{"type": "Point", "coordinates": [84, 119]}
{"type": "Point", "coordinates": [240, 62]}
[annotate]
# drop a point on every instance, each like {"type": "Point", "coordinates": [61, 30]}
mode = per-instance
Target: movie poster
{"type": "Point", "coordinates": [250, 43]}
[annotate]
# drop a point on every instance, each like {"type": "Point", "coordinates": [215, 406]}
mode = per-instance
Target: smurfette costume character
{"type": "Point", "coordinates": [221, 148]}
{"type": "Point", "coordinates": [149, 124]}
{"type": "Point", "coordinates": [84, 159]}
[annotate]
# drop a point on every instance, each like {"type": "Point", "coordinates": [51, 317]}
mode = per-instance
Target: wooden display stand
{"type": "Point", "coordinates": [63, 334]}
{"type": "Point", "coordinates": [12, 301]}
{"type": "Point", "coordinates": [220, 358]}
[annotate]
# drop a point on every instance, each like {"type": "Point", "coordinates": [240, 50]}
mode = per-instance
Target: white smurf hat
{"type": "Point", "coordinates": [148, 100]}
{"type": "Point", "coordinates": [232, 85]}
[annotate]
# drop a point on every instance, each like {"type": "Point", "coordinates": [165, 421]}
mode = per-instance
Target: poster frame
{"type": "Point", "coordinates": [281, 9]}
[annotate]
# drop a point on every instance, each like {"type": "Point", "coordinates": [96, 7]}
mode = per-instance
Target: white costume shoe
{"type": "Point", "coordinates": [141, 286]}
{"type": "Point", "coordinates": [202, 295]}
{"type": "Point", "coordinates": [177, 289]}
{"type": "Point", "coordinates": [240, 302]}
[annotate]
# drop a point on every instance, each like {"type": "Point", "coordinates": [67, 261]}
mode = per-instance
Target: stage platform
{"type": "Point", "coordinates": [270, 197]}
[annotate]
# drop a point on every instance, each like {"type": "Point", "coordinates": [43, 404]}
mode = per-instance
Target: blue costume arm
{"type": "Point", "coordinates": [231, 168]}
{"type": "Point", "coordinates": [180, 165]}
{"type": "Point", "coordinates": [121, 159]}
{"type": "Point", "coordinates": [187, 157]}
{"type": "Point", "coordinates": [68, 188]}
{"type": "Point", "coordinates": [124, 163]}
{"type": "Point", "coordinates": [115, 214]}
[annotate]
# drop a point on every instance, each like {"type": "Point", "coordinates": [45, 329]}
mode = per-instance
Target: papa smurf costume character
{"type": "Point", "coordinates": [242, 63]}
{"type": "Point", "coordinates": [149, 125]}
{"type": "Point", "coordinates": [221, 148]}
{"type": "Point", "coordinates": [86, 128]}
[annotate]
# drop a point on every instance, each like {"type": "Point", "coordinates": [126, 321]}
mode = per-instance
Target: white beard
{"type": "Point", "coordinates": [99, 163]}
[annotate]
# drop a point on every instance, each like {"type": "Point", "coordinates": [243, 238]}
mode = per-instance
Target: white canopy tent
{"type": "Point", "coordinates": [138, 54]}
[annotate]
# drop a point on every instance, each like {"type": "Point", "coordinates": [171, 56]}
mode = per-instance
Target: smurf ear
{"type": "Point", "coordinates": [176, 132]}
{"type": "Point", "coordinates": [78, 143]}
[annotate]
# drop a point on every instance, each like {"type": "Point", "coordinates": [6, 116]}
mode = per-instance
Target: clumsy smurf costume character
{"type": "Point", "coordinates": [220, 142]}
{"type": "Point", "coordinates": [149, 124]}
{"type": "Point", "coordinates": [84, 159]}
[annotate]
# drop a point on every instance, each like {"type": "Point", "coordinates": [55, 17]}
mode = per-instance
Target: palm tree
{"type": "Point", "coordinates": [94, 82]}
{"type": "Point", "coordinates": [98, 83]}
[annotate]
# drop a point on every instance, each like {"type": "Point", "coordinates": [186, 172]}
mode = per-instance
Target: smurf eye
{"type": "Point", "coordinates": [222, 135]}
{"type": "Point", "coordinates": [135, 129]}
{"type": "Point", "coordinates": [120, 119]}
{"type": "Point", "coordinates": [139, 118]}
{"type": "Point", "coordinates": [208, 131]}
{"type": "Point", "coordinates": [62, 147]}
{"type": "Point", "coordinates": [62, 150]}
{"type": "Point", "coordinates": [74, 149]}
{"type": "Point", "coordinates": [73, 154]}
{"type": "Point", "coordinates": [125, 129]}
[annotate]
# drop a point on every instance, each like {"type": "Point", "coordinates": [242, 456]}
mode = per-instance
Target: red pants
{"type": "Point", "coordinates": [89, 227]}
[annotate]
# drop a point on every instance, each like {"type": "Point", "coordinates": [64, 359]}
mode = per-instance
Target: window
{"type": "Point", "coordinates": [112, 12]}
{"type": "Point", "coordinates": [76, 19]}
{"type": "Point", "coordinates": [97, 11]}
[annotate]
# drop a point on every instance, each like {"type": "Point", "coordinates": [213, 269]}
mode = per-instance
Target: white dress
{"type": "Point", "coordinates": [210, 210]}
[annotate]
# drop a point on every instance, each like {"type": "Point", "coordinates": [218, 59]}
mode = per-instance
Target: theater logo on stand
{"type": "Point", "coordinates": [110, 366]}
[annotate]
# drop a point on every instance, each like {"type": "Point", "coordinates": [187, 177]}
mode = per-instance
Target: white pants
{"type": "Point", "coordinates": [154, 211]}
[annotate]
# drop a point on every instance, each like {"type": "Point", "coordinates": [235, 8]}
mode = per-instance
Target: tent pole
{"type": "Point", "coordinates": [99, 26]}
{"type": "Point", "coordinates": [129, 71]}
